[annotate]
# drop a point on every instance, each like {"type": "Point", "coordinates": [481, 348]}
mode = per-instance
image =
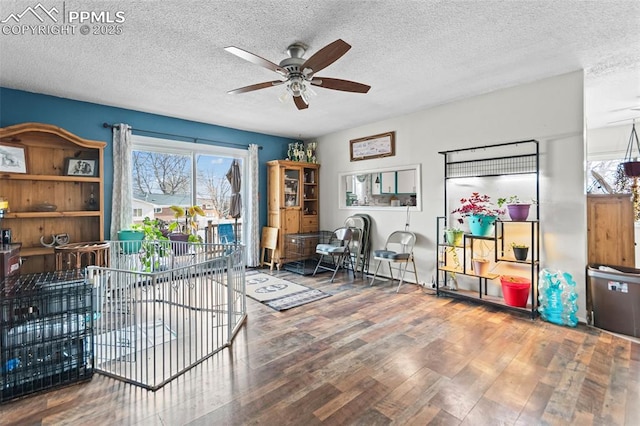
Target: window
{"type": "Point", "coordinates": [607, 176]}
{"type": "Point", "coordinates": [137, 213]}
{"type": "Point", "coordinates": [180, 173]}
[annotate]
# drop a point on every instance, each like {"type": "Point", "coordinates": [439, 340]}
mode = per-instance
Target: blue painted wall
{"type": "Point", "coordinates": [85, 120]}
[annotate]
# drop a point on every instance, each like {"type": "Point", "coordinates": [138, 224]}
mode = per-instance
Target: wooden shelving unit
{"type": "Point", "coordinates": [48, 149]}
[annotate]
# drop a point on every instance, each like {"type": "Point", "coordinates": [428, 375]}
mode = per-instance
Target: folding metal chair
{"type": "Point", "coordinates": [397, 250]}
{"type": "Point", "coordinates": [357, 242]}
{"type": "Point", "coordinates": [338, 249]}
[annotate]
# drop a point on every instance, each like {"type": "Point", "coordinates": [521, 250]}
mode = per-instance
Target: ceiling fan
{"type": "Point", "coordinates": [298, 74]}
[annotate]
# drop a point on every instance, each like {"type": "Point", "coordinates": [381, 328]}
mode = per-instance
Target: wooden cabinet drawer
{"type": "Point", "coordinates": [309, 223]}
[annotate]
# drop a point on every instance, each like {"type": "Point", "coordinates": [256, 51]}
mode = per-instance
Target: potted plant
{"type": "Point", "coordinates": [520, 251]}
{"type": "Point", "coordinates": [149, 229]}
{"type": "Point", "coordinates": [189, 230]}
{"type": "Point", "coordinates": [453, 235]}
{"type": "Point", "coordinates": [481, 212]}
{"type": "Point", "coordinates": [153, 246]}
{"type": "Point", "coordinates": [631, 165]}
{"type": "Point", "coordinates": [480, 263]}
{"type": "Point", "coordinates": [480, 266]}
{"type": "Point", "coordinates": [515, 290]}
{"type": "Point", "coordinates": [131, 239]}
{"type": "Point", "coordinates": [518, 210]}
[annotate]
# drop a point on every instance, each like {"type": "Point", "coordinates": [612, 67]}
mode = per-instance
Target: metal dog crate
{"type": "Point", "coordinates": [300, 251]}
{"type": "Point", "coordinates": [46, 332]}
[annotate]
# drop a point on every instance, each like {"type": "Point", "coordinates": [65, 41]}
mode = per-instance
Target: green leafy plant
{"type": "Point", "coordinates": [154, 245]}
{"type": "Point", "coordinates": [477, 205]}
{"type": "Point", "coordinates": [518, 245]}
{"type": "Point", "coordinates": [152, 228]}
{"type": "Point", "coordinates": [513, 199]}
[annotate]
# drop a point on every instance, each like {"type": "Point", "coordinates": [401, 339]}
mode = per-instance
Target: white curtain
{"type": "Point", "coordinates": [252, 209]}
{"type": "Point", "coordinates": [121, 208]}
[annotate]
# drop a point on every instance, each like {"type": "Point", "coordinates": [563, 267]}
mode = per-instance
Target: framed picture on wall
{"type": "Point", "coordinates": [376, 146]}
{"type": "Point", "coordinates": [80, 167]}
{"type": "Point", "coordinates": [13, 158]}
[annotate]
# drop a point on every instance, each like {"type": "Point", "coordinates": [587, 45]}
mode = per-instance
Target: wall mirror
{"type": "Point", "coordinates": [381, 189]}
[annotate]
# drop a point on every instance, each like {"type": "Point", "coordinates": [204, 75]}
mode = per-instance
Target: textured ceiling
{"type": "Point", "coordinates": [170, 60]}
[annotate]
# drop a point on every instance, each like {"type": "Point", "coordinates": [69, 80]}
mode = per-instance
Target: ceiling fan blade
{"type": "Point", "coordinates": [300, 103]}
{"type": "Point", "coordinates": [255, 87]}
{"type": "Point", "coordinates": [338, 84]}
{"type": "Point", "coordinates": [255, 59]}
{"type": "Point", "coordinates": [326, 56]}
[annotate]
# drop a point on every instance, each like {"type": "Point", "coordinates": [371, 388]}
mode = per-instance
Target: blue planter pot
{"type": "Point", "coordinates": [481, 225]}
{"type": "Point", "coordinates": [132, 240]}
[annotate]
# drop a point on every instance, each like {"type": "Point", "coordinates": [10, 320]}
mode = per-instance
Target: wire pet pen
{"type": "Point", "coordinates": [151, 327]}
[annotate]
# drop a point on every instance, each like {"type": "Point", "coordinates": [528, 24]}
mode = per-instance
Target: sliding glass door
{"type": "Point", "coordinates": [167, 173]}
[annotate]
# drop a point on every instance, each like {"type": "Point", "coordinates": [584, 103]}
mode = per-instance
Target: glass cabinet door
{"type": "Point", "coordinates": [292, 188]}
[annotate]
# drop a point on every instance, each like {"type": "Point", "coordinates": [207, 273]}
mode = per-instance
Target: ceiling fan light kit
{"type": "Point", "coordinates": [298, 74]}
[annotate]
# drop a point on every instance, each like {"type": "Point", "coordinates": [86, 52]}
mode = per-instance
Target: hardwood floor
{"type": "Point", "coordinates": [369, 356]}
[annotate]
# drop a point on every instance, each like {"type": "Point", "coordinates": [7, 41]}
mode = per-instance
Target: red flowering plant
{"type": "Point", "coordinates": [477, 205]}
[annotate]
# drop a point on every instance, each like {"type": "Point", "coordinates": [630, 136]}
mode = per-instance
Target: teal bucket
{"type": "Point", "coordinates": [481, 225]}
{"type": "Point", "coordinates": [131, 240]}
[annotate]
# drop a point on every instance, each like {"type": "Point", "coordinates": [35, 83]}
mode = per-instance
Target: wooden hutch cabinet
{"type": "Point", "coordinates": [57, 189]}
{"type": "Point", "coordinates": [293, 202]}
{"type": "Point", "coordinates": [610, 230]}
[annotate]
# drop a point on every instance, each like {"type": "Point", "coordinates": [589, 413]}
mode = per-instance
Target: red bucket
{"type": "Point", "coordinates": [515, 290]}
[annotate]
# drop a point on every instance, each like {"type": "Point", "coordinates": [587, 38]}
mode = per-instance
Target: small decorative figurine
{"type": "Point", "coordinates": [311, 152]}
{"type": "Point", "coordinates": [92, 203]}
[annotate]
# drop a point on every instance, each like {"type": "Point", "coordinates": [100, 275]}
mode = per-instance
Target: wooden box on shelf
{"type": "Point", "coordinates": [50, 199]}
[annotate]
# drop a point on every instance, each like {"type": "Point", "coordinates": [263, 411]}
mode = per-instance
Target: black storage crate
{"type": "Point", "coordinates": [46, 332]}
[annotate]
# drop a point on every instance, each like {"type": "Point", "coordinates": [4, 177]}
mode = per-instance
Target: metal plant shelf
{"type": "Point", "coordinates": [510, 158]}
{"type": "Point", "coordinates": [489, 160]}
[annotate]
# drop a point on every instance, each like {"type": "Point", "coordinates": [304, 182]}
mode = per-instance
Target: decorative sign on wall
{"type": "Point", "coordinates": [376, 146]}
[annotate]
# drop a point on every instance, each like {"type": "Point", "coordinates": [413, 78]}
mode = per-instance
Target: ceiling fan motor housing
{"type": "Point", "coordinates": [298, 73]}
{"type": "Point", "coordinates": [295, 78]}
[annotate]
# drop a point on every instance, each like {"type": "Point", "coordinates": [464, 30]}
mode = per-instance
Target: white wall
{"type": "Point", "coordinates": [549, 110]}
{"type": "Point", "coordinates": [609, 142]}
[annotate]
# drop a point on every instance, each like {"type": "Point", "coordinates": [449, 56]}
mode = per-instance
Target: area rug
{"type": "Point", "coordinates": [280, 294]}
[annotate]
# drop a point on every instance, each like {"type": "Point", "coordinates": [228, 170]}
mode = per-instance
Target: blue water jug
{"type": "Point", "coordinates": [558, 298]}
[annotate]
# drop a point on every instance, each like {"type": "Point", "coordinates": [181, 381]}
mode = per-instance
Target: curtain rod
{"type": "Point", "coordinates": [195, 140]}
